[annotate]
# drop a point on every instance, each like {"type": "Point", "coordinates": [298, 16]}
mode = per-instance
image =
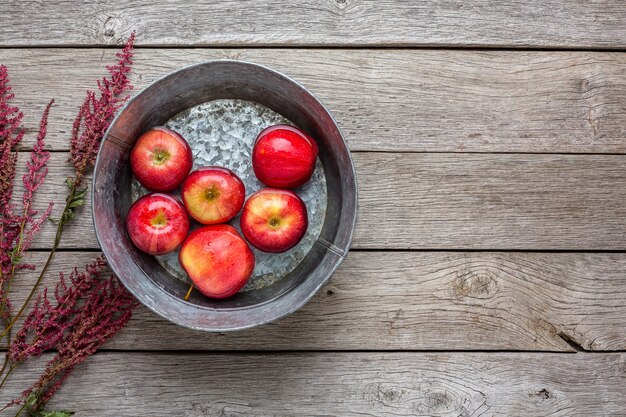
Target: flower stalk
{"type": "Point", "coordinates": [17, 231]}
{"type": "Point", "coordinates": [89, 310]}
{"type": "Point", "coordinates": [83, 313]}
{"type": "Point", "coordinates": [93, 119]}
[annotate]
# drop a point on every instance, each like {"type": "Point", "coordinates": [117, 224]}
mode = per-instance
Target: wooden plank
{"type": "Point", "coordinates": [345, 384]}
{"type": "Point", "coordinates": [387, 100]}
{"type": "Point", "coordinates": [420, 300]}
{"type": "Point", "coordinates": [454, 201]}
{"type": "Point", "coordinates": [550, 23]}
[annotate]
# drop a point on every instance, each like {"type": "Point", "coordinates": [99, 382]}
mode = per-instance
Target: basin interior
{"type": "Point", "coordinates": [222, 133]}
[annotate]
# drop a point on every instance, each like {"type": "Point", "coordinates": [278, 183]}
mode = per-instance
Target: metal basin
{"type": "Point", "coordinates": [156, 104]}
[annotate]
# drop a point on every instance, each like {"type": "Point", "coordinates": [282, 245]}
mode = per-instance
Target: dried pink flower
{"type": "Point", "coordinates": [94, 117]}
{"type": "Point", "coordinates": [17, 230]}
{"type": "Point", "coordinates": [88, 312]}
{"type": "Point", "coordinates": [10, 136]}
{"type": "Point", "coordinates": [96, 113]}
{"type": "Point", "coordinates": [45, 325]}
{"type": "Point", "coordinates": [33, 179]}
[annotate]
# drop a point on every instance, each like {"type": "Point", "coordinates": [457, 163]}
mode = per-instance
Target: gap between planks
{"type": "Point", "coordinates": [391, 47]}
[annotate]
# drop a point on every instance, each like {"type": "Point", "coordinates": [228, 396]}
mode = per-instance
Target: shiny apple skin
{"type": "Point", "coordinates": [274, 220]}
{"type": "Point", "coordinates": [161, 159]}
{"type": "Point", "coordinates": [217, 259]}
{"type": "Point", "coordinates": [284, 156]}
{"type": "Point", "coordinates": [213, 195]}
{"type": "Point", "coordinates": [157, 223]}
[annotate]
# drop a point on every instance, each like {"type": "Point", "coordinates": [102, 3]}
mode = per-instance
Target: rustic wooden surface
{"type": "Point", "coordinates": [346, 383]}
{"type": "Point", "coordinates": [488, 276]}
{"type": "Point", "coordinates": [453, 201]}
{"type": "Point", "coordinates": [496, 23]}
{"type": "Point", "coordinates": [391, 99]}
{"type": "Point", "coordinates": [423, 300]}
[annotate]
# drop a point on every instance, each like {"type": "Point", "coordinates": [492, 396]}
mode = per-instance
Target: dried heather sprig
{"type": "Point", "coordinates": [37, 170]}
{"type": "Point", "coordinates": [45, 325]}
{"type": "Point", "coordinates": [96, 113]}
{"type": "Point", "coordinates": [88, 313]}
{"type": "Point", "coordinates": [94, 117]}
{"type": "Point", "coordinates": [18, 230]}
{"type": "Point", "coordinates": [10, 136]}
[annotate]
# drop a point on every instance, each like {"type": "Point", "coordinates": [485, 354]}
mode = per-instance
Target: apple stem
{"type": "Point", "coordinates": [189, 292]}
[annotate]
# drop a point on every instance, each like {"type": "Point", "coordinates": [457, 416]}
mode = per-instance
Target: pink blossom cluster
{"type": "Point", "coordinates": [85, 309]}
{"type": "Point", "coordinates": [96, 113]}
{"type": "Point", "coordinates": [84, 313]}
{"type": "Point", "coordinates": [18, 227]}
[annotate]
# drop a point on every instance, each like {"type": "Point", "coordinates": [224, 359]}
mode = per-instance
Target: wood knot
{"type": "Point", "coordinates": [390, 396]}
{"type": "Point", "coordinates": [342, 5]}
{"type": "Point", "coordinates": [439, 401]}
{"type": "Point", "coordinates": [425, 398]}
{"type": "Point", "coordinates": [109, 26]}
{"type": "Point", "coordinates": [113, 29]}
{"type": "Point", "coordinates": [385, 395]}
{"type": "Point", "coordinates": [543, 394]}
{"type": "Point", "coordinates": [476, 284]}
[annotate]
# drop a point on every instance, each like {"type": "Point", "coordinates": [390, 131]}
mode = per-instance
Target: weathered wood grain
{"type": "Point", "coordinates": [453, 201]}
{"type": "Point", "coordinates": [420, 300]}
{"type": "Point", "coordinates": [387, 100]}
{"type": "Point", "coordinates": [341, 384]}
{"type": "Point", "coordinates": [551, 23]}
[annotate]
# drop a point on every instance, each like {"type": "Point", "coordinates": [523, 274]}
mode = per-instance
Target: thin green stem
{"type": "Point", "coordinates": [6, 355]}
{"type": "Point", "coordinates": [15, 256]}
{"type": "Point", "coordinates": [5, 364]}
{"type": "Point", "coordinates": [5, 292]}
{"type": "Point", "coordinates": [7, 375]}
{"type": "Point", "coordinates": [21, 409]}
{"type": "Point", "coordinates": [33, 290]}
{"type": "Point", "coordinates": [18, 249]}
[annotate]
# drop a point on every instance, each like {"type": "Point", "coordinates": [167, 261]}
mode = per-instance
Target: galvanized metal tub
{"type": "Point", "coordinates": [157, 103]}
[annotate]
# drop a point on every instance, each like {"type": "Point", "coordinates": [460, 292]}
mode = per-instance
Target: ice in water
{"type": "Point", "coordinates": [222, 132]}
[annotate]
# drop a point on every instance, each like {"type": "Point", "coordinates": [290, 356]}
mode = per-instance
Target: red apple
{"type": "Point", "coordinates": [217, 259]}
{"type": "Point", "coordinates": [284, 156]}
{"type": "Point", "coordinates": [274, 220]}
{"type": "Point", "coordinates": [157, 223]}
{"type": "Point", "coordinates": [161, 159]}
{"type": "Point", "coordinates": [213, 195]}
